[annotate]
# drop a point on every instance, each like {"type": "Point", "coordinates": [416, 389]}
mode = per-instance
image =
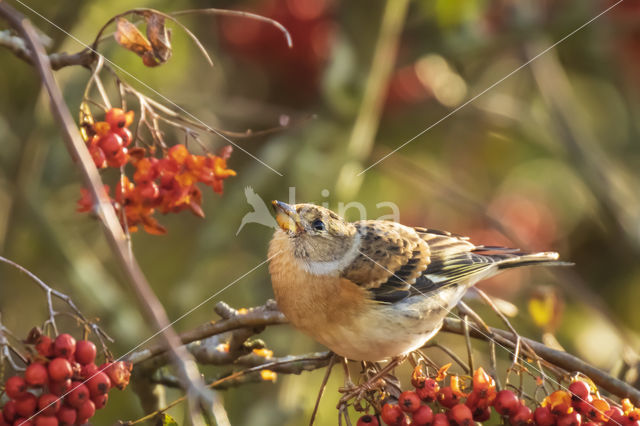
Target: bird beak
{"type": "Point", "coordinates": [287, 217]}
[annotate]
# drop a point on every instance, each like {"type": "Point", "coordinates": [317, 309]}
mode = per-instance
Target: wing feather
{"type": "Point", "coordinates": [396, 262]}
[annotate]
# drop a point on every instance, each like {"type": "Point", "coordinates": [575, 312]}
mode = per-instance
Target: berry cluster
{"type": "Point", "coordinates": [167, 184]}
{"type": "Point", "coordinates": [62, 385]}
{"type": "Point", "coordinates": [579, 405]}
{"type": "Point", "coordinates": [108, 140]}
{"type": "Point", "coordinates": [433, 405]}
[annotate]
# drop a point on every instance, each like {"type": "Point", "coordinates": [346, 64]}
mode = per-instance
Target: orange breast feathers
{"type": "Point", "coordinates": [312, 302]}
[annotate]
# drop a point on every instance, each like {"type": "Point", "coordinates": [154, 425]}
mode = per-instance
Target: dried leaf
{"type": "Point", "coordinates": [86, 122]}
{"type": "Point", "coordinates": [442, 372]}
{"type": "Point", "coordinates": [159, 36]}
{"type": "Point", "coordinates": [128, 36]}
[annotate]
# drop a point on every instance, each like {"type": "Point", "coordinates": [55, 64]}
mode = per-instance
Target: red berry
{"type": "Point", "coordinates": [392, 414]}
{"type": "Point", "coordinates": [60, 370]}
{"type": "Point", "coordinates": [506, 403]}
{"type": "Point", "coordinates": [149, 190]}
{"type": "Point", "coordinates": [88, 370]}
{"type": "Point", "coordinates": [110, 144]}
{"type": "Point", "coordinates": [461, 415]}
{"type": "Point", "coordinates": [579, 390]}
{"type": "Point", "coordinates": [481, 414]}
{"type": "Point", "coordinates": [409, 401]}
{"type": "Point", "coordinates": [368, 420]}
{"type": "Point", "coordinates": [429, 391]}
{"type": "Point", "coordinates": [586, 409]}
{"type": "Point", "coordinates": [522, 417]}
{"type": "Point", "coordinates": [571, 419]}
{"type": "Point", "coordinates": [440, 419]}
{"type": "Point", "coordinates": [544, 417]}
{"type": "Point", "coordinates": [423, 416]}
{"type": "Point", "coordinates": [36, 375]}
{"type": "Point", "coordinates": [100, 400]}
{"type": "Point", "coordinates": [447, 398]}
{"type": "Point", "coordinates": [474, 400]}
{"type": "Point", "coordinates": [119, 373]}
{"type": "Point", "coordinates": [78, 396]}
{"type": "Point", "coordinates": [86, 411]}
{"type": "Point", "coordinates": [21, 421]}
{"type": "Point", "coordinates": [15, 387]}
{"type": "Point", "coordinates": [46, 421]}
{"type": "Point", "coordinates": [616, 416]}
{"type": "Point", "coordinates": [85, 352]}
{"type": "Point", "coordinates": [125, 135]}
{"type": "Point", "coordinates": [118, 118]}
{"type": "Point", "coordinates": [26, 405]}
{"type": "Point", "coordinates": [45, 346]}
{"type": "Point", "coordinates": [60, 388]}
{"type": "Point", "coordinates": [67, 416]}
{"type": "Point", "coordinates": [98, 156]}
{"type": "Point", "coordinates": [64, 346]}
{"type": "Point", "coordinates": [48, 404]}
{"type": "Point", "coordinates": [118, 158]}
{"type": "Point", "coordinates": [9, 411]}
{"type": "Point", "coordinates": [99, 384]}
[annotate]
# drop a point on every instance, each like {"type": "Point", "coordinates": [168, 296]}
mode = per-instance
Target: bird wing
{"type": "Point", "coordinates": [396, 262]}
{"type": "Point", "coordinates": [389, 253]}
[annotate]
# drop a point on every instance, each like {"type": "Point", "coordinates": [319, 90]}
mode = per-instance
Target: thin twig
{"type": "Point", "coordinates": [323, 386]}
{"type": "Point", "coordinates": [506, 321]}
{"type": "Point", "coordinates": [467, 339]}
{"type": "Point", "coordinates": [450, 353]}
{"type": "Point", "coordinates": [237, 13]}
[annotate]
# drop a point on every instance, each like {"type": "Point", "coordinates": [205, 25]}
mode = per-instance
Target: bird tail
{"type": "Point", "coordinates": [515, 260]}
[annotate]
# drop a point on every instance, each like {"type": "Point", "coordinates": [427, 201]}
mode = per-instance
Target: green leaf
{"type": "Point", "coordinates": [166, 420]}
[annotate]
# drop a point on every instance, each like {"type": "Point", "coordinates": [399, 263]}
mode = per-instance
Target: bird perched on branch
{"type": "Point", "coordinates": [371, 290]}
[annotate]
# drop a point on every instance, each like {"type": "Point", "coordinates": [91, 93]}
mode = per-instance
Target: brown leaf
{"type": "Point", "coordinates": [128, 36]}
{"type": "Point", "coordinates": [159, 36]}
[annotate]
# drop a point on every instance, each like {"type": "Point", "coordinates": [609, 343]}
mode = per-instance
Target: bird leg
{"type": "Point", "coordinates": [373, 383]}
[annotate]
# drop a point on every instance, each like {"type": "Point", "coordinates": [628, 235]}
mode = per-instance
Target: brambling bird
{"type": "Point", "coordinates": [372, 290]}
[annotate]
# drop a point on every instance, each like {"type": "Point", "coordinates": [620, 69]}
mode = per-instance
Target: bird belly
{"type": "Point", "coordinates": [385, 331]}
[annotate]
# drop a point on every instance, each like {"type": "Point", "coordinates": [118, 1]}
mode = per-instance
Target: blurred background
{"type": "Point", "coordinates": [547, 159]}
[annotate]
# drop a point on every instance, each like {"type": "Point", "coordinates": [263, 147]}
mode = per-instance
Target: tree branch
{"type": "Point", "coordinates": [259, 316]}
{"type": "Point", "coordinates": [19, 48]}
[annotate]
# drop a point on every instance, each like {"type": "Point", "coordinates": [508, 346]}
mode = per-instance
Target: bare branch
{"type": "Point", "coordinates": [260, 316]}
{"type": "Point", "coordinates": [19, 48]}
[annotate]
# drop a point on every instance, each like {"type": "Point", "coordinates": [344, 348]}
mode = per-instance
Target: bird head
{"type": "Point", "coordinates": [316, 233]}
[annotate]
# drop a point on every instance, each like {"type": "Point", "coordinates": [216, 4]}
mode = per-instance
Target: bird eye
{"type": "Point", "coordinates": [318, 225]}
